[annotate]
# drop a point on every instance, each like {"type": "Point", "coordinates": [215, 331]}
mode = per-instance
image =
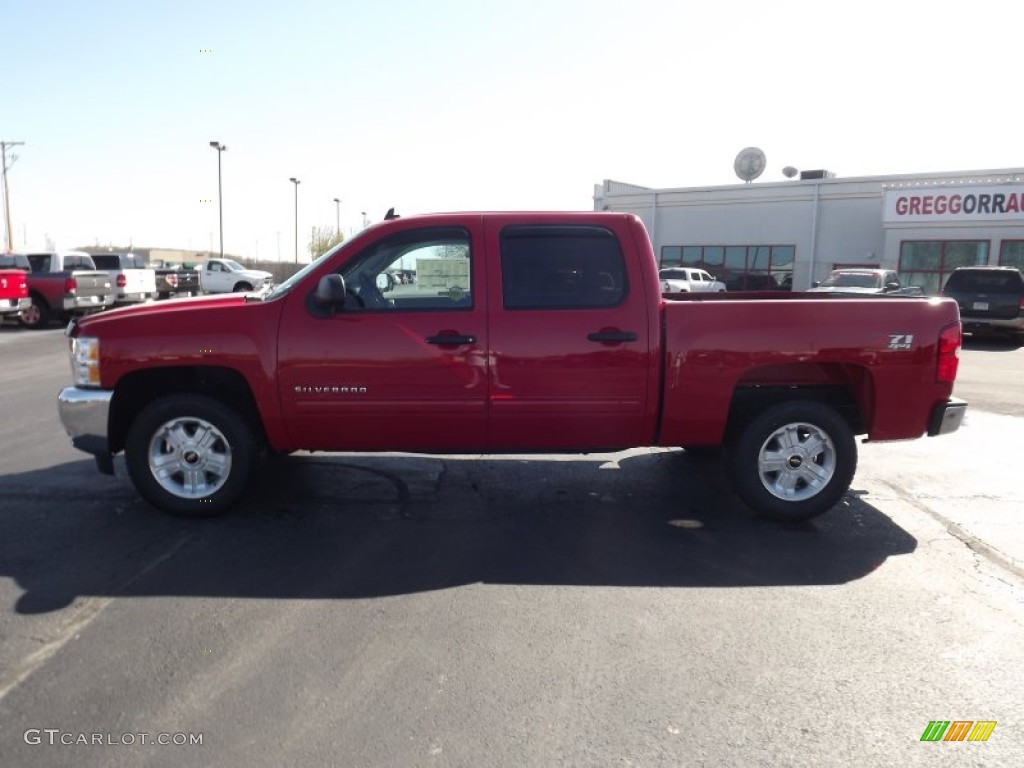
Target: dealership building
{"type": "Point", "coordinates": [787, 235]}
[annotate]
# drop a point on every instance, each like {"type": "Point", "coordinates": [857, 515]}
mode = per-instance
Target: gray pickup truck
{"type": "Point", "coordinates": [63, 285]}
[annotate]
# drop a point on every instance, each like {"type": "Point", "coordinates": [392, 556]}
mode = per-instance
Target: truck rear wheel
{"type": "Point", "coordinates": [37, 316]}
{"type": "Point", "coordinates": [794, 461]}
{"type": "Point", "coordinates": [190, 455]}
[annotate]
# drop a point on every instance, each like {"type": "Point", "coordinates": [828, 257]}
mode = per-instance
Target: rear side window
{"type": "Point", "coordinates": [969, 281]}
{"type": "Point", "coordinates": [106, 262]}
{"type": "Point", "coordinates": [561, 267]}
{"type": "Point", "coordinates": [14, 261]}
{"type": "Point", "coordinates": [40, 262]}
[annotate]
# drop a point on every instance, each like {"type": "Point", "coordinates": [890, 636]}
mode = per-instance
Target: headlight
{"type": "Point", "coordinates": [85, 361]}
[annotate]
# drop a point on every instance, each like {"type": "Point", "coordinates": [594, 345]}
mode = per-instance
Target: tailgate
{"type": "Point", "coordinates": [92, 283]}
{"type": "Point", "coordinates": [140, 281]}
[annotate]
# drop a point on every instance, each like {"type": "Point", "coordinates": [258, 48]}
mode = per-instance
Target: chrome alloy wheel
{"type": "Point", "coordinates": [796, 462]}
{"type": "Point", "coordinates": [189, 457]}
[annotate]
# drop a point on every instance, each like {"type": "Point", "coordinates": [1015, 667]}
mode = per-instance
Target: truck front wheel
{"type": "Point", "coordinates": [190, 455]}
{"type": "Point", "coordinates": [794, 461]}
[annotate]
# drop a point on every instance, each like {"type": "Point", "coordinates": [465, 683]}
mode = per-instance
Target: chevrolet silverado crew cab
{"type": "Point", "coordinates": [523, 333]}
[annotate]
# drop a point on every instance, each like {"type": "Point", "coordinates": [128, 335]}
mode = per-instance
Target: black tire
{"type": "Point", "coordinates": [190, 433]}
{"type": "Point", "coordinates": [38, 316]}
{"type": "Point", "coordinates": [816, 454]}
{"type": "Point", "coordinates": [242, 288]}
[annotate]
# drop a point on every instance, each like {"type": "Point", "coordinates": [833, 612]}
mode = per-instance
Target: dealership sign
{"type": "Point", "coordinates": [1001, 202]}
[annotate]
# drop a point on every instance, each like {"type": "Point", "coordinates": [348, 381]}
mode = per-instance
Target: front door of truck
{"type": "Point", "coordinates": [403, 366]}
{"type": "Point", "coordinates": [571, 358]}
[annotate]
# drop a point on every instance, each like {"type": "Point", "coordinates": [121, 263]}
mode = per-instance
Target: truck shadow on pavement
{"type": "Point", "coordinates": [342, 527]}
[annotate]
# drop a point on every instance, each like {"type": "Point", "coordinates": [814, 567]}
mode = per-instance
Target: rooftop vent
{"type": "Point", "coordinates": [820, 174]}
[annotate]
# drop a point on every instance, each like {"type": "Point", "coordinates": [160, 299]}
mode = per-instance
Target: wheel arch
{"type": "Point", "coordinates": [136, 390]}
{"type": "Point", "coordinates": [848, 389]}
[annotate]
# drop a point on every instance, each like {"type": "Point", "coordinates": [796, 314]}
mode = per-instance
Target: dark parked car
{"type": "Point", "coordinates": [990, 298]}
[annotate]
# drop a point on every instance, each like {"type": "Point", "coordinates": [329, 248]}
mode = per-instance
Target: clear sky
{"type": "Point", "coordinates": [456, 105]}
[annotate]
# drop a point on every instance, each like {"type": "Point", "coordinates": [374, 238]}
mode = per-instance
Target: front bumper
{"type": "Point", "coordinates": [946, 417]}
{"type": "Point", "coordinates": [85, 415]}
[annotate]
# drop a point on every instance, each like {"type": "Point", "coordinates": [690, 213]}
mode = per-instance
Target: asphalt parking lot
{"type": "Point", "coordinates": [617, 609]}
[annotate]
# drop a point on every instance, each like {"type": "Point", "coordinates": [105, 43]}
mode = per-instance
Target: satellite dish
{"type": "Point", "coordinates": [789, 171]}
{"type": "Point", "coordinates": [750, 163]}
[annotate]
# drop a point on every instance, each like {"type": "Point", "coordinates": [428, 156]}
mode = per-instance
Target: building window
{"type": "Point", "coordinates": [1011, 254]}
{"type": "Point", "coordinates": [740, 267]}
{"type": "Point", "coordinates": [927, 263]}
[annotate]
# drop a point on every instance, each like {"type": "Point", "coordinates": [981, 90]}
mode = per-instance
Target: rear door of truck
{"type": "Point", "coordinates": [572, 340]}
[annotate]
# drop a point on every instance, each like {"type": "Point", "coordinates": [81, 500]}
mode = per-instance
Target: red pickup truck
{"type": "Point", "coordinates": [523, 332]}
{"type": "Point", "coordinates": [14, 298]}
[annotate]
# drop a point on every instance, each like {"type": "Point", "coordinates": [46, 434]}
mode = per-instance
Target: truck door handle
{"type": "Point", "coordinates": [451, 338]}
{"type": "Point", "coordinates": [606, 336]}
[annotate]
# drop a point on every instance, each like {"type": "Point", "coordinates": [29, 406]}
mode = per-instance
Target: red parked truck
{"type": "Point", "coordinates": [524, 332]}
{"type": "Point", "coordinates": [14, 298]}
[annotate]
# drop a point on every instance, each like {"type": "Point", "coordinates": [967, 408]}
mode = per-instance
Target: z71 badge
{"type": "Point", "coordinates": [901, 340]}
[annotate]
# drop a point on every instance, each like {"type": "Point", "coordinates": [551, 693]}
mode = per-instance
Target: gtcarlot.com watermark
{"type": "Point", "coordinates": [55, 736]}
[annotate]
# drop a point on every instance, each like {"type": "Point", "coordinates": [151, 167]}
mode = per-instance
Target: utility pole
{"type": "Point", "coordinates": [7, 201]}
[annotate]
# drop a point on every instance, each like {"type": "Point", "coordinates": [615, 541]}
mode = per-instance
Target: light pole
{"type": "Point", "coordinates": [337, 216]}
{"type": "Point", "coordinates": [296, 182]}
{"type": "Point", "coordinates": [220, 195]}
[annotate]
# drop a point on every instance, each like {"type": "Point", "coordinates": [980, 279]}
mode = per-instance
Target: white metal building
{"type": "Point", "coordinates": [785, 235]}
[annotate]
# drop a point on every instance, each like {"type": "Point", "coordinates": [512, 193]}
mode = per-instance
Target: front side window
{"type": "Point", "coordinates": [421, 269]}
{"type": "Point", "coordinates": [561, 267]}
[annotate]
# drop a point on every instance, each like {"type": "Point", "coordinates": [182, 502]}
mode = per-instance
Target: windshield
{"type": "Point", "coordinates": [851, 280]}
{"type": "Point", "coordinates": [234, 265]}
{"type": "Point", "coordinates": [284, 287]}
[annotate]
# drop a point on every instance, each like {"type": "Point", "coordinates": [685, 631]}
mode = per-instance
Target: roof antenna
{"type": "Point", "coordinates": [390, 215]}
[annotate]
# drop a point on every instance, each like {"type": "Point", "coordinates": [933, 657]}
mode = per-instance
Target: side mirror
{"type": "Point", "coordinates": [892, 287]}
{"type": "Point", "coordinates": [384, 283]}
{"type": "Point", "coordinates": [330, 292]}
{"type": "Point", "coordinates": [816, 283]}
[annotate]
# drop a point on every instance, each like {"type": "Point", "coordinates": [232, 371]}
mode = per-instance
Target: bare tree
{"type": "Point", "coordinates": [322, 240]}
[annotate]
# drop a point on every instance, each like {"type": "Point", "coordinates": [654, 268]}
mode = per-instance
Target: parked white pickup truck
{"type": "Point", "coordinates": [228, 276]}
{"type": "Point", "coordinates": [131, 278]}
{"type": "Point", "coordinates": [687, 280]}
